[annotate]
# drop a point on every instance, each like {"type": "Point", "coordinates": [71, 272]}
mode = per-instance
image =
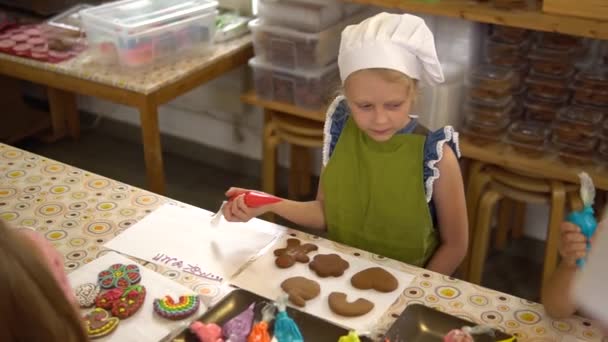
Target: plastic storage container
{"type": "Point", "coordinates": [578, 153]}
{"type": "Point", "coordinates": [593, 78]}
{"type": "Point", "coordinates": [491, 82]}
{"type": "Point", "coordinates": [482, 131]}
{"type": "Point", "coordinates": [558, 41]}
{"type": "Point", "coordinates": [304, 88]}
{"type": "Point", "coordinates": [575, 123]}
{"type": "Point", "coordinates": [309, 17]}
{"type": "Point", "coordinates": [488, 109]}
{"type": "Point", "coordinates": [554, 62]}
{"type": "Point", "coordinates": [542, 109]}
{"type": "Point", "coordinates": [553, 87]}
{"type": "Point", "coordinates": [509, 34]}
{"type": "Point", "coordinates": [529, 137]}
{"type": "Point", "coordinates": [294, 49]}
{"type": "Point", "coordinates": [503, 53]}
{"type": "Point", "coordinates": [137, 33]}
{"type": "Point", "coordinates": [603, 151]}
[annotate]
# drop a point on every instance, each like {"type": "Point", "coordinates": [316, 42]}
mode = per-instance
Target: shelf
{"type": "Point", "coordinates": [548, 167]}
{"type": "Point", "coordinates": [486, 13]}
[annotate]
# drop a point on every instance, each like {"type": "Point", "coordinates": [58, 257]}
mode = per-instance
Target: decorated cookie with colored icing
{"type": "Point", "coordinates": [119, 275]}
{"type": "Point", "coordinates": [86, 294]}
{"type": "Point", "coordinates": [106, 299]}
{"type": "Point", "coordinates": [169, 309]}
{"type": "Point", "coordinates": [99, 323]}
{"type": "Point", "coordinates": [122, 302]}
{"type": "Point", "coordinates": [129, 302]}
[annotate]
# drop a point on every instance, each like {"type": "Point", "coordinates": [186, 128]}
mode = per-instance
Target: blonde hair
{"type": "Point", "coordinates": [34, 307]}
{"type": "Point", "coordinates": [389, 75]}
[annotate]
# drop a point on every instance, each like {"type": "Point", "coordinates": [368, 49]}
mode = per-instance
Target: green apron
{"type": "Point", "coordinates": [374, 197]}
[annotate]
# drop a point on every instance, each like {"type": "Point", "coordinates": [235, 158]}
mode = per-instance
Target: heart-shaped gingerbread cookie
{"type": "Point", "coordinates": [376, 278]}
{"type": "Point", "coordinates": [98, 323]}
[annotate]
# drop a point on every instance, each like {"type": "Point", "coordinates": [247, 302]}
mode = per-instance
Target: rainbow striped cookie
{"type": "Point", "coordinates": [169, 309]}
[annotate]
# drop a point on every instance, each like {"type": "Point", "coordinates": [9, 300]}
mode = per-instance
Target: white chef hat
{"type": "Point", "coordinates": [400, 42]}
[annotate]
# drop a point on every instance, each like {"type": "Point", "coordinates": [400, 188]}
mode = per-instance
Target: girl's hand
{"type": "Point", "coordinates": [573, 244]}
{"type": "Point", "coordinates": [237, 211]}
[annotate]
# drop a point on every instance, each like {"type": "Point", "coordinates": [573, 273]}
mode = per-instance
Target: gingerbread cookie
{"type": "Point", "coordinates": [119, 275]}
{"type": "Point", "coordinates": [326, 265]}
{"type": "Point", "coordinates": [341, 306]}
{"type": "Point", "coordinates": [169, 309]}
{"type": "Point", "coordinates": [129, 302]}
{"type": "Point", "coordinates": [86, 294]}
{"type": "Point", "coordinates": [300, 290]}
{"type": "Point", "coordinates": [122, 302]}
{"type": "Point", "coordinates": [376, 278]}
{"type": "Point", "coordinates": [106, 300]}
{"type": "Point", "coordinates": [98, 323]}
{"type": "Point", "coordinates": [295, 251]}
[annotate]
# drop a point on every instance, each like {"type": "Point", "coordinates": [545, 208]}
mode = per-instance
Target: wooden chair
{"type": "Point", "coordinates": [489, 185]}
{"type": "Point", "coordinates": [301, 134]}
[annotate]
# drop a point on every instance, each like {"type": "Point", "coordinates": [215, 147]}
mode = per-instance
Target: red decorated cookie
{"type": "Point", "coordinates": [106, 300]}
{"type": "Point", "coordinates": [123, 303]}
{"type": "Point", "coordinates": [98, 323]}
{"type": "Point", "coordinates": [119, 275]}
{"type": "Point", "coordinates": [130, 301]}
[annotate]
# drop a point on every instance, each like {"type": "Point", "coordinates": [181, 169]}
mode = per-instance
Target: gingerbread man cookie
{"type": "Point", "coordinates": [98, 323]}
{"type": "Point", "coordinates": [86, 294]}
{"type": "Point", "coordinates": [376, 278]}
{"type": "Point", "coordinates": [339, 304]}
{"type": "Point", "coordinates": [294, 252]}
{"type": "Point", "coordinates": [169, 309]}
{"type": "Point", "coordinates": [119, 275]}
{"type": "Point", "coordinates": [300, 290]}
{"type": "Point", "coordinates": [326, 265]}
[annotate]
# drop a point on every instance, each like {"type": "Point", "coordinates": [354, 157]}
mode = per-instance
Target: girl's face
{"type": "Point", "coordinates": [380, 107]}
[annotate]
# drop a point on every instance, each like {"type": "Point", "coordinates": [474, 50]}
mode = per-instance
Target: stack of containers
{"type": "Point", "coordinates": [296, 46]}
{"type": "Point", "coordinates": [140, 33]}
{"type": "Point", "coordinates": [489, 103]}
{"type": "Point", "coordinates": [590, 99]}
{"type": "Point", "coordinates": [562, 106]}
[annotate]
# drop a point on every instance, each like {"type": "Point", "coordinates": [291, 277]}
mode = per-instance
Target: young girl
{"type": "Point", "coordinates": [34, 306]}
{"type": "Point", "coordinates": [388, 186]}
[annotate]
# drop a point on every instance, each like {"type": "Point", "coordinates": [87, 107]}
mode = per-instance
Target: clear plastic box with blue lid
{"type": "Point", "coordinates": [137, 33]}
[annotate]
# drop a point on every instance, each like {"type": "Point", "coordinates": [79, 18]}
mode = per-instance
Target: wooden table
{"type": "Point", "coordinates": [78, 212]}
{"type": "Point", "coordinates": [550, 167]}
{"type": "Point", "coordinates": [145, 91]}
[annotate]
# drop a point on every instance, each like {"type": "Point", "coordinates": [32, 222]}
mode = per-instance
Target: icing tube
{"type": "Point", "coordinates": [285, 329]}
{"type": "Point", "coordinates": [259, 333]}
{"type": "Point", "coordinates": [238, 328]}
{"type": "Point", "coordinates": [256, 199]}
{"type": "Point", "coordinates": [585, 218]}
{"type": "Point", "coordinates": [351, 337]}
{"type": "Point", "coordinates": [206, 332]}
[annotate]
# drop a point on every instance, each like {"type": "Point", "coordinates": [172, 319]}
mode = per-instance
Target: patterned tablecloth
{"type": "Point", "coordinates": [84, 66]}
{"type": "Point", "coordinates": [78, 211]}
